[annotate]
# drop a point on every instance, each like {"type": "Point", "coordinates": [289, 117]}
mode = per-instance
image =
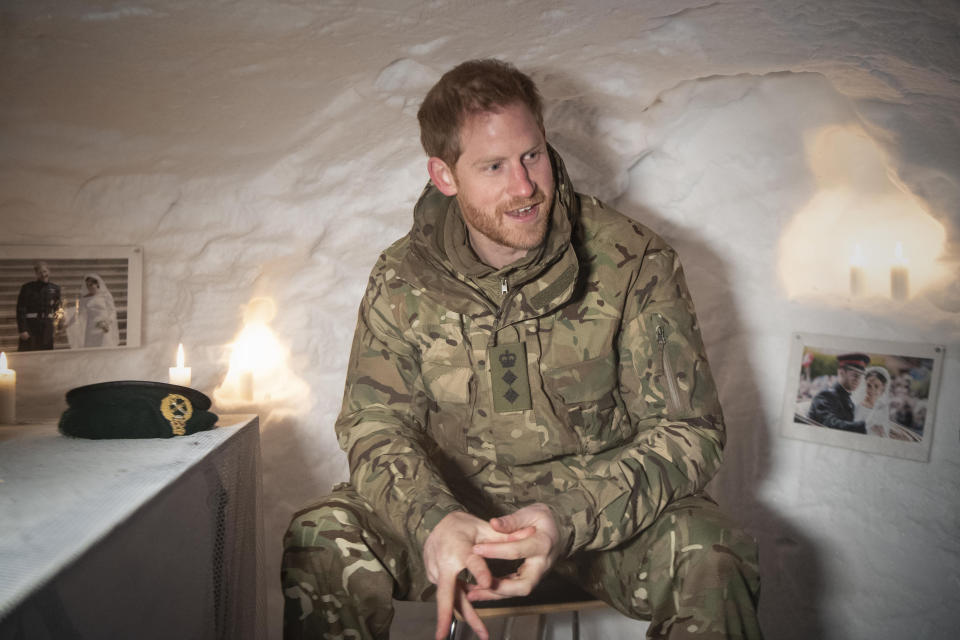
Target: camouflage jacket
{"type": "Point", "coordinates": [624, 415]}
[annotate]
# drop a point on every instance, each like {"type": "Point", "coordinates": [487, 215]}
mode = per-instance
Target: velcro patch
{"type": "Point", "coordinates": [508, 377]}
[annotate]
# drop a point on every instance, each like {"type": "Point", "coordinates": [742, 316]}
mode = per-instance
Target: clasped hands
{"type": "Point", "coordinates": [462, 541]}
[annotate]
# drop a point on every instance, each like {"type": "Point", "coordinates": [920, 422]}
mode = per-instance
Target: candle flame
{"type": "Point", "coordinates": [180, 356]}
{"type": "Point", "coordinates": [3, 359]}
{"type": "Point", "coordinates": [898, 253]}
{"type": "Point", "coordinates": [856, 260]}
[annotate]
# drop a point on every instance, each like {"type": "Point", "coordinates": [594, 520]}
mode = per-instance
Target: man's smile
{"type": "Point", "coordinates": [525, 213]}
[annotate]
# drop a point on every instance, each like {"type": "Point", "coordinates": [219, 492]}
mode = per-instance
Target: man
{"type": "Point", "coordinates": [527, 383]}
{"type": "Point", "coordinates": [39, 311]}
{"type": "Point", "coordinates": [833, 407]}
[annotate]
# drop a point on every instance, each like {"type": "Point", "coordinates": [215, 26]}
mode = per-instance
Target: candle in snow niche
{"type": "Point", "coordinates": [246, 385]}
{"type": "Point", "coordinates": [180, 374]}
{"type": "Point", "coordinates": [899, 277]}
{"type": "Point", "coordinates": [8, 392]}
{"type": "Point", "coordinates": [242, 366]}
{"type": "Point", "coordinates": [856, 272]}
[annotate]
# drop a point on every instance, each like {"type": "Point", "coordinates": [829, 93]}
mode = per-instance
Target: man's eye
{"type": "Point", "coordinates": [532, 156]}
{"type": "Point", "coordinates": [494, 167]}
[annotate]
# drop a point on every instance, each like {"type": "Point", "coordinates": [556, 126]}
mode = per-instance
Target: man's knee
{"type": "Point", "coordinates": [693, 564]}
{"type": "Point", "coordinates": [714, 576]}
{"type": "Point", "coordinates": [333, 574]}
{"type": "Point", "coordinates": [320, 525]}
{"type": "Point", "coordinates": [311, 552]}
{"type": "Point", "coordinates": [343, 509]}
{"type": "Point", "coordinates": [730, 561]}
{"type": "Point", "coordinates": [712, 547]}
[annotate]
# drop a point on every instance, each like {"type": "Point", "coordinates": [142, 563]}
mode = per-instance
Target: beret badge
{"type": "Point", "coordinates": [177, 410]}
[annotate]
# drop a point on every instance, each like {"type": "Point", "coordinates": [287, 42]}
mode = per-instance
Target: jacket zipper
{"type": "Point", "coordinates": [673, 393]}
{"type": "Point", "coordinates": [506, 295]}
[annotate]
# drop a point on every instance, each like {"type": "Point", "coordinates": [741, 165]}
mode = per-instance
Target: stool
{"type": "Point", "coordinates": [553, 595]}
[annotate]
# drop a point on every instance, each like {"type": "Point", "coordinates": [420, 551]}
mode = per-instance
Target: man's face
{"type": "Point", "coordinates": [849, 378]}
{"type": "Point", "coordinates": [43, 273]}
{"type": "Point", "coordinates": [504, 181]}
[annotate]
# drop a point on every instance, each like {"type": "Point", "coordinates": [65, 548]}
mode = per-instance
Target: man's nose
{"type": "Point", "coordinates": [521, 186]}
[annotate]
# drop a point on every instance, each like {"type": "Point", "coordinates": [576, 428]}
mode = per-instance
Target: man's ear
{"type": "Point", "coordinates": [442, 176]}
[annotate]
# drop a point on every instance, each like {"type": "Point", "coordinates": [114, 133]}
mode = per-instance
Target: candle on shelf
{"type": "Point", "coordinates": [180, 374]}
{"type": "Point", "coordinates": [899, 276]}
{"type": "Point", "coordinates": [246, 385]}
{"type": "Point", "coordinates": [856, 272]}
{"type": "Point", "coordinates": [8, 392]}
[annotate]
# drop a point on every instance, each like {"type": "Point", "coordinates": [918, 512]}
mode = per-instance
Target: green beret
{"type": "Point", "coordinates": [135, 409]}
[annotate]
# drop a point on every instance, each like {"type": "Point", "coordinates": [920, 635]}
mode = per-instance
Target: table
{"type": "Point", "coordinates": [141, 538]}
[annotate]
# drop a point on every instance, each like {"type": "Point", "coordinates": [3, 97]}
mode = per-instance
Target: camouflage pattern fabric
{"type": "Point", "coordinates": [341, 571]}
{"type": "Point", "coordinates": [624, 417]}
{"type": "Point", "coordinates": [692, 574]}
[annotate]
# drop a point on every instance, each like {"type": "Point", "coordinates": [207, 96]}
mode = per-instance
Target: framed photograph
{"type": "Point", "coordinates": [871, 395]}
{"type": "Point", "coordinates": [66, 299]}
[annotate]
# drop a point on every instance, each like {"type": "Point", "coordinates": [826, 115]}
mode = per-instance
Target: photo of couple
{"type": "Point", "coordinates": [863, 397]}
{"type": "Point", "coordinates": [856, 392]}
{"type": "Point", "coordinates": [54, 304]}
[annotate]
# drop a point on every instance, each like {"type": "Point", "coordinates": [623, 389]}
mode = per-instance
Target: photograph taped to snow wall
{"type": "Point", "coordinates": [870, 395]}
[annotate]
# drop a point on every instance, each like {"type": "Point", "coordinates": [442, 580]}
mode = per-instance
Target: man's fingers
{"type": "Point", "coordinates": [514, 550]}
{"type": "Point", "coordinates": [477, 595]}
{"type": "Point", "coordinates": [446, 593]}
{"type": "Point", "coordinates": [470, 616]}
{"type": "Point", "coordinates": [508, 587]}
{"type": "Point", "coordinates": [477, 566]}
{"type": "Point", "coordinates": [519, 534]}
{"type": "Point", "coordinates": [507, 524]}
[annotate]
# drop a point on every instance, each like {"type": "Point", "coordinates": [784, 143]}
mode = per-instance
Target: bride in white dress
{"type": "Point", "coordinates": [94, 323]}
{"type": "Point", "coordinates": [873, 401]}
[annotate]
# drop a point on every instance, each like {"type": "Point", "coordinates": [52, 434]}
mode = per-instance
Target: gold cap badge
{"type": "Point", "coordinates": [177, 410]}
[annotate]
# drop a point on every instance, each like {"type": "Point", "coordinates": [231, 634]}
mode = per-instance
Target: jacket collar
{"type": "Point", "coordinates": [547, 275]}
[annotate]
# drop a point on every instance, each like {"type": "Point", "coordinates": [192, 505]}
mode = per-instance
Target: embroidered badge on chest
{"type": "Point", "coordinates": [508, 375]}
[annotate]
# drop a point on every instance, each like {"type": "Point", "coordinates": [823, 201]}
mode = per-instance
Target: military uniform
{"type": "Point", "coordinates": [834, 408]}
{"type": "Point", "coordinates": [39, 308]}
{"type": "Point", "coordinates": [575, 377]}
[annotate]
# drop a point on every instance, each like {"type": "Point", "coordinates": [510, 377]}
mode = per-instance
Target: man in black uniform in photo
{"type": "Point", "coordinates": [833, 407]}
{"type": "Point", "coordinates": [39, 311]}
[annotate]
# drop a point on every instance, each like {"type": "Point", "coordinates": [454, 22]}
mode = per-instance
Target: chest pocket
{"type": "Point", "coordinates": [445, 364]}
{"type": "Point", "coordinates": [587, 401]}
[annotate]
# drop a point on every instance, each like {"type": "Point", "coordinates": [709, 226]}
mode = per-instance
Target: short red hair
{"type": "Point", "coordinates": [475, 86]}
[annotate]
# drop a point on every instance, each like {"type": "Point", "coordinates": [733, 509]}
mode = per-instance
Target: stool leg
{"type": "Point", "coordinates": [508, 629]}
{"type": "Point", "coordinates": [576, 625]}
{"type": "Point", "coordinates": [541, 626]}
{"type": "Point", "coordinates": [453, 629]}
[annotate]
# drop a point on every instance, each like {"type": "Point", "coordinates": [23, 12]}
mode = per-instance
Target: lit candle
{"type": "Point", "coordinates": [8, 392]}
{"type": "Point", "coordinates": [180, 374]}
{"type": "Point", "coordinates": [899, 277]}
{"type": "Point", "coordinates": [856, 272]}
{"type": "Point", "coordinates": [246, 385]}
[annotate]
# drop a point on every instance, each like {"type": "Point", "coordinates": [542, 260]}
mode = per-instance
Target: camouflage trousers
{"type": "Point", "coordinates": [693, 573]}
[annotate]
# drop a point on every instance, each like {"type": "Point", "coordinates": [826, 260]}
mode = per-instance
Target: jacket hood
{"type": "Point", "coordinates": [438, 224]}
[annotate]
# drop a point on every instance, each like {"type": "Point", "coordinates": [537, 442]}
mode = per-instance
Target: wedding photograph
{"type": "Point", "coordinates": [869, 395]}
{"type": "Point", "coordinates": [56, 298]}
